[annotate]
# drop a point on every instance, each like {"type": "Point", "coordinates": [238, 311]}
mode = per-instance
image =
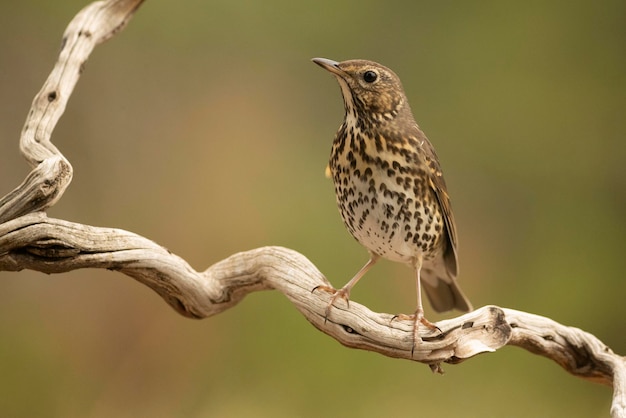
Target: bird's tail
{"type": "Point", "coordinates": [443, 292]}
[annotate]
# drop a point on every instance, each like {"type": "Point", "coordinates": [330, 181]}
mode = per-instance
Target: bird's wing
{"type": "Point", "coordinates": [438, 184]}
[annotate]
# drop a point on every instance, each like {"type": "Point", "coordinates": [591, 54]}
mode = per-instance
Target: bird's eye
{"type": "Point", "coordinates": [370, 76]}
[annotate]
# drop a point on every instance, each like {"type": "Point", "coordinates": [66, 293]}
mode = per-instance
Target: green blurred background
{"type": "Point", "coordinates": [205, 127]}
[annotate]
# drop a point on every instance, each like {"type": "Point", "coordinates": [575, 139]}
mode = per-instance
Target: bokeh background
{"type": "Point", "coordinates": [205, 127]}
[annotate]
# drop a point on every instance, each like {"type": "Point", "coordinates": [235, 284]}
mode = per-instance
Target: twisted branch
{"type": "Point", "coordinates": [31, 240]}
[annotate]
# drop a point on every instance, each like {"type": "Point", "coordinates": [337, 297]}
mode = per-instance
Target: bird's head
{"type": "Point", "coordinates": [370, 90]}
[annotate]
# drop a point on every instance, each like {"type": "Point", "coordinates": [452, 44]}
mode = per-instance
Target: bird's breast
{"type": "Point", "coordinates": [384, 195]}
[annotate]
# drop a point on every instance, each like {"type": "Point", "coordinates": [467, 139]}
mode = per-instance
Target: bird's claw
{"type": "Point", "coordinates": [417, 318]}
{"type": "Point", "coordinates": [328, 289]}
{"type": "Point", "coordinates": [342, 293]}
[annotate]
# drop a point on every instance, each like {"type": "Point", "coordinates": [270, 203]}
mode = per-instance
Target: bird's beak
{"type": "Point", "coordinates": [329, 65]}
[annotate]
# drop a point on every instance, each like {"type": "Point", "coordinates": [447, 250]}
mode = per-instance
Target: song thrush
{"type": "Point", "coordinates": [389, 187]}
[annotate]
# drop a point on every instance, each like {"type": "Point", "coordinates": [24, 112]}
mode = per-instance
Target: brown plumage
{"type": "Point", "coordinates": [389, 186]}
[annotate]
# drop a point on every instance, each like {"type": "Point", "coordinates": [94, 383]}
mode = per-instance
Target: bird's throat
{"type": "Point", "coordinates": [348, 100]}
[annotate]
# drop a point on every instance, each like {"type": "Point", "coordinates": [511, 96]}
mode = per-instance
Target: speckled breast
{"type": "Point", "coordinates": [392, 212]}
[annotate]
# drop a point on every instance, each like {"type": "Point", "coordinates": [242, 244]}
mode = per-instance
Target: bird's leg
{"type": "Point", "coordinates": [418, 317]}
{"type": "Point", "coordinates": [344, 292]}
{"type": "Point", "coordinates": [419, 312]}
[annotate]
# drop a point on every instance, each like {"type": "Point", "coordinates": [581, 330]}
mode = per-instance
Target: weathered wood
{"type": "Point", "coordinates": [31, 240]}
{"type": "Point", "coordinates": [49, 245]}
{"type": "Point", "coordinates": [52, 173]}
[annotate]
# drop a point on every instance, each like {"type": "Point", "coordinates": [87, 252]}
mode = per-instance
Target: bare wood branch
{"type": "Point", "coordinates": [52, 173]}
{"type": "Point", "coordinates": [31, 240]}
{"type": "Point", "coordinates": [40, 189]}
{"type": "Point", "coordinates": [577, 351]}
{"type": "Point", "coordinates": [54, 246]}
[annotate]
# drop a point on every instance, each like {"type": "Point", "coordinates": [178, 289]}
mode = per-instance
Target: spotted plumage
{"type": "Point", "coordinates": [389, 186]}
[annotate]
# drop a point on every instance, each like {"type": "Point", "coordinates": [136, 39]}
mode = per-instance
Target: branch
{"type": "Point", "coordinates": [52, 173]}
{"type": "Point", "coordinates": [49, 245]}
{"type": "Point", "coordinates": [31, 240]}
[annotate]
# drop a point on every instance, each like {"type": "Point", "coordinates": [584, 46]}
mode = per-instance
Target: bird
{"type": "Point", "coordinates": [390, 189]}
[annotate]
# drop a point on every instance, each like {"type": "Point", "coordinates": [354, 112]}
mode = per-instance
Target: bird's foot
{"type": "Point", "coordinates": [417, 318]}
{"type": "Point", "coordinates": [342, 293]}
